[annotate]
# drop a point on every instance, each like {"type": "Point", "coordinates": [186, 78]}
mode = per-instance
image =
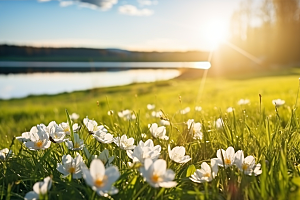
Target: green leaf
{"type": "Point", "coordinates": [191, 169]}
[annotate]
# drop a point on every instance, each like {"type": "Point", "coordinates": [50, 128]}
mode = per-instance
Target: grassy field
{"type": "Point", "coordinates": [258, 129]}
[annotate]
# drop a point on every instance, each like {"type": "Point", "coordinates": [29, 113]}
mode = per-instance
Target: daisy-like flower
{"type": "Point", "coordinates": [228, 156]}
{"type": "Point", "coordinates": [206, 173]}
{"type": "Point", "coordinates": [177, 154]}
{"type": "Point", "coordinates": [39, 189]}
{"type": "Point", "coordinates": [144, 150]}
{"type": "Point", "coordinates": [5, 153]}
{"type": "Point", "coordinates": [24, 138]}
{"type": "Point", "coordinates": [124, 143]}
{"type": "Point", "coordinates": [56, 132]}
{"type": "Point", "coordinates": [78, 143]}
{"type": "Point", "coordinates": [93, 127]}
{"type": "Point", "coordinates": [246, 165]}
{"type": "Point", "coordinates": [185, 111]}
{"type": "Point", "coordinates": [38, 138]}
{"type": "Point", "coordinates": [194, 129]}
{"type": "Point", "coordinates": [157, 174]}
{"type": "Point", "coordinates": [127, 115]}
{"type": "Point", "coordinates": [74, 116]}
{"type": "Point", "coordinates": [257, 171]}
{"type": "Point", "coordinates": [219, 123]}
{"type": "Point", "coordinates": [243, 101]}
{"type": "Point", "coordinates": [198, 108]}
{"type": "Point", "coordinates": [150, 106]}
{"type": "Point", "coordinates": [101, 179]}
{"type": "Point", "coordinates": [70, 166]}
{"type": "Point", "coordinates": [158, 132]}
{"type": "Point", "coordinates": [278, 102]}
{"type": "Point", "coordinates": [65, 126]}
{"type": "Point", "coordinates": [164, 122]}
{"type": "Point", "coordinates": [104, 137]}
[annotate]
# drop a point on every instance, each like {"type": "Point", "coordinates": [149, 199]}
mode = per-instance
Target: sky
{"type": "Point", "coordinates": [137, 25]}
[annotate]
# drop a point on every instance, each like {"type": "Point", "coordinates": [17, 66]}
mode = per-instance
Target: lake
{"type": "Point", "coordinates": [23, 84]}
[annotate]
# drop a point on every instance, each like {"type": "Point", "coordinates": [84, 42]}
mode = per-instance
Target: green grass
{"type": "Point", "coordinates": [271, 136]}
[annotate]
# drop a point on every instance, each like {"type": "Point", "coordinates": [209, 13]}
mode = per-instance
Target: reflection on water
{"type": "Point", "coordinates": [21, 85]}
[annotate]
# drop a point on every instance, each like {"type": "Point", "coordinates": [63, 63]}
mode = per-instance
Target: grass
{"type": "Point", "coordinates": [270, 135]}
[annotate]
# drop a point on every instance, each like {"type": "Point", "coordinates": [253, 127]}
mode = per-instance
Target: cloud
{"type": "Point", "coordinates": [102, 4]}
{"type": "Point", "coordinates": [147, 2]}
{"type": "Point", "coordinates": [66, 3]}
{"type": "Point", "coordinates": [93, 4]}
{"type": "Point", "coordinates": [134, 11]}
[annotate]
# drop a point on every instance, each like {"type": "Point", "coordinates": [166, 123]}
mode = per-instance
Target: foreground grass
{"type": "Point", "coordinates": [270, 135]}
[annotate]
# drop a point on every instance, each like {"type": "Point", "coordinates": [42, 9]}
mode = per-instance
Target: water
{"type": "Point", "coordinates": [22, 85]}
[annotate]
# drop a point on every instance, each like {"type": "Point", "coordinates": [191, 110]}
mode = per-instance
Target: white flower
{"type": "Point", "coordinates": [78, 143]}
{"type": "Point", "coordinates": [143, 151]}
{"type": "Point", "coordinates": [219, 123]}
{"type": "Point", "coordinates": [24, 138]}
{"type": "Point", "coordinates": [39, 188]}
{"type": "Point", "coordinates": [38, 138]}
{"type": "Point", "coordinates": [177, 154]}
{"type": "Point", "coordinates": [206, 173]}
{"type": "Point", "coordinates": [228, 156]}
{"type": "Point", "coordinates": [127, 115]}
{"type": "Point", "coordinates": [185, 111]}
{"type": "Point", "coordinates": [157, 174]}
{"type": "Point", "coordinates": [198, 108]}
{"type": "Point", "coordinates": [124, 143]}
{"type": "Point", "coordinates": [243, 101]}
{"type": "Point", "coordinates": [158, 132]}
{"type": "Point", "coordinates": [5, 153]}
{"type": "Point", "coordinates": [150, 106]}
{"type": "Point", "coordinates": [246, 165]}
{"type": "Point", "coordinates": [157, 114]}
{"type": "Point", "coordinates": [195, 129]}
{"type": "Point", "coordinates": [66, 127]}
{"type": "Point", "coordinates": [104, 137]}
{"type": "Point", "coordinates": [56, 132]}
{"type": "Point", "coordinates": [101, 179]}
{"type": "Point", "coordinates": [70, 166]}
{"type": "Point", "coordinates": [74, 116]}
{"type": "Point", "coordinates": [230, 109]}
{"type": "Point", "coordinates": [164, 122]}
{"type": "Point", "coordinates": [93, 127]}
{"type": "Point", "coordinates": [105, 158]}
{"type": "Point", "coordinates": [278, 102]}
{"type": "Point", "coordinates": [257, 170]}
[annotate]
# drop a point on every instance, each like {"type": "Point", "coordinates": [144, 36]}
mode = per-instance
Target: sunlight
{"type": "Point", "coordinates": [215, 32]}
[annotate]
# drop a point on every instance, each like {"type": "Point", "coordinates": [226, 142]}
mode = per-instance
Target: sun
{"type": "Point", "coordinates": [215, 32]}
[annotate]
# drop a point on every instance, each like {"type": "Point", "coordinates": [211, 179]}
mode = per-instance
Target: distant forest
{"type": "Point", "coordinates": [27, 53]}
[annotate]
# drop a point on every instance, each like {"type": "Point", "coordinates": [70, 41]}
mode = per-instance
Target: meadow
{"type": "Point", "coordinates": [259, 128]}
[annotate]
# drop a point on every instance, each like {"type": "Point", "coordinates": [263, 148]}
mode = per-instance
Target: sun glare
{"type": "Point", "coordinates": [215, 33]}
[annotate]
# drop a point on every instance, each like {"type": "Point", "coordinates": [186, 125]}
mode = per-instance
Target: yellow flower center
{"type": "Point", "coordinates": [206, 175]}
{"type": "Point", "coordinates": [67, 129]}
{"type": "Point", "coordinates": [72, 170]}
{"type": "Point", "coordinates": [156, 178]}
{"type": "Point", "coordinates": [100, 182]}
{"type": "Point", "coordinates": [245, 166]}
{"type": "Point", "coordinates": [39, 143]}
{"type": "Point", "coordinates": [227, 161]}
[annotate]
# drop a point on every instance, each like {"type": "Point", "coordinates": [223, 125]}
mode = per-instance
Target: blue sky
{"type": "Point", "coordinates": [142, 25]}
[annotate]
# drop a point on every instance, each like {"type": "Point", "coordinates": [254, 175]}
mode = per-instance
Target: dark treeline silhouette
{"type": "Point", "coordinates": [269, 31]}
{"type": "Point", "coordinates": [27, 53]}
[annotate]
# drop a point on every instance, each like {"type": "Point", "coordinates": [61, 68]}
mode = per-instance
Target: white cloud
{"type": "Point", "coordinates": [66, 3]}
{"type": "Point", "coordinates": [147, 2]}
{"type": "Point", "coordinates": [134, 11]}
{"type": "Point", "coordinates": [43, 0]}
{"type": "Point", "coordinates": [102, 4]}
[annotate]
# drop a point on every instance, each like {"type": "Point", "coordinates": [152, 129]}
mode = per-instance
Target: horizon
{"type": "Point", "coordinates": [145, 25]}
